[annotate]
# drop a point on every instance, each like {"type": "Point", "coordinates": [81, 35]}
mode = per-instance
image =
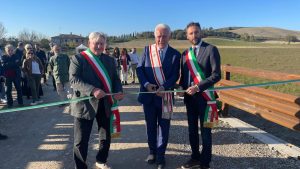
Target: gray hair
{"type": "Point", "coordinates": [97, 35]}
{"type": "Point", "coordinates": [27, 45]}
{"type": "Point", "coordinates": [8, 46]}
{"type": "Point", "coordinates": [164, 26]}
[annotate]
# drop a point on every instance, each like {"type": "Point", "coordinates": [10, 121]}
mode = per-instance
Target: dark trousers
{"type": "Point", "coordinates": [25, 87]}
{"type": "Point", "coordinates": [17, 84]}
{"type": "Point", "coordinates": [53, 83]}
{"type": "Point", "coordinates": [82, 131]}
{"type": "Point", "coordinates": [34, 83]}
{"type": "Point", "coordinates": [44, 74]}
{"type": "Point", "coordinates": [157, 131]}
{"type": "Point", "coordinates": [195, 109]}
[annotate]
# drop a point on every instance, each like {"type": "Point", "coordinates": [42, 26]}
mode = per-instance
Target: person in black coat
{"type": "Point", "coordinates": [207, 58]}
{"type": "Point", "coordinates": [12, 72]}
{"type": "Point", "coordinates": [42, 56]}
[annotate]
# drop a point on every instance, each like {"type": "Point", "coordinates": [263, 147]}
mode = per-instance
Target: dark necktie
{"type": "Point", "coordinates": [195, 51]}
{"type": "Point", "coordinates": [161, 54]}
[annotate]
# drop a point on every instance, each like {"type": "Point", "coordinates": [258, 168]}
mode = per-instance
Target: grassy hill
{"type": "Point", "coordinates": [255, 55]}
{"type": "Point", "coordinates": [220, 42]}
{"type": "Point", "coordinates": [269, 32]}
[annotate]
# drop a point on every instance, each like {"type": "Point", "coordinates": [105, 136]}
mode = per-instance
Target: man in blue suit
{"type": "Point", "coordinates": [196, 81]}
{"type": "Point", "coordinates": [157, 71]}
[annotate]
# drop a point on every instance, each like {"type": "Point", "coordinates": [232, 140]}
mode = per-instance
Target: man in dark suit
{"type": "Point", "coordinates": [207, 59]}
{"type": "Point", "coordinates": [93, 73]}
{"type": "Point", "coordinates": [158, 70]}
{"type": "Point", "coordinates": [42, 56]}
{"type": "Point", "coordinates": [19, 52]}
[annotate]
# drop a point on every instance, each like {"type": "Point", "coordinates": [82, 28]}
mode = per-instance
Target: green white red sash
{"type": "Point", "coordinates": [99, 68]}
{"type": "Point", "coordinates": [156, 64]}
{"type": "Point", "coordinates": [211, 112]}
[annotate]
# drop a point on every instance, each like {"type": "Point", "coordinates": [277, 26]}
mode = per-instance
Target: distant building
{"type": "Point", "coordinates": [69, 40]}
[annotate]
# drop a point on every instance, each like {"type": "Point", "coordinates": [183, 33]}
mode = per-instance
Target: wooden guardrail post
{"type": "Point", "coordinates": [280, 108]}
{"type": "Point", "coordinates": [225, 107]}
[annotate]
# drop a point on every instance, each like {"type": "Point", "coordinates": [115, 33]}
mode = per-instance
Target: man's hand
{"type": "Point", "coordinates": [192, 90]}
{"type": "Point", "coordinates": [159, 93]}
{"type": "Point", "coordinates": [98, 93]}
{"type": "Point", "coordinates": [119, 96]}
{"type": "Point", "coordinates": [151, 87]}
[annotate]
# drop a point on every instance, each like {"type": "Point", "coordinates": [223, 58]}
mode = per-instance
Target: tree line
{"type": "Point", "coordinates": [178, 34]}
{"type": "Point", "coordinates": [24, 35]}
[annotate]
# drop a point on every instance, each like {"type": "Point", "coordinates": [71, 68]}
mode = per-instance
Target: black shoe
{"type": "Point", "coordinates": [204, 167]}
{"type": "Point", "coordinates": [150, 159]}
{"type": "Point", "coordinates": [126, 83]}
{"type": "Point", "coordinates": [133, 82]}
{"type": "Point", "coordinates": [3, 137]}
{"type": "Point", "coordinates": [192, 163]}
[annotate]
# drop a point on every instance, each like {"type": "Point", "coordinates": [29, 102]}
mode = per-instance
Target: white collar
{"type": "Point", "coordinates": [198, 46]}
{"type": "Point", "coordinates": [164, 49]}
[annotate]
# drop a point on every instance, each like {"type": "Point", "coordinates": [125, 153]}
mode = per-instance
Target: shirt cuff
{"type": "Point", "coordinates": [145, 85]}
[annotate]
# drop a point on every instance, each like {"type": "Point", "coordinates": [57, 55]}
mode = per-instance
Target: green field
{"type": "Point", "coordinates": [264, 56]}
{"type": "Point", "coordinates": [221, 43]}
{"type": "Point", "coordinates": [285, 60]}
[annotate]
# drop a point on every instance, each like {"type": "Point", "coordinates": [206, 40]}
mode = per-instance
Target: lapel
{"type": "Point", "coordinates": [105, 62]}
{"type": "Point", "coordinates": [166, 59]}
{"type": "Point", "coordinates": [201, 52]}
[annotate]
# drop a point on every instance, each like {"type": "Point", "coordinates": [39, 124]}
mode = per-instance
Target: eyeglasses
{"type": "Point", "coordinates": [30, 53]}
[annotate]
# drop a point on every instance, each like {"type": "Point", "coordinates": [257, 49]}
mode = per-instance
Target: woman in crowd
{"type": "Point", "coordinates": [116, 55]}
{"type": "Point", "coordinates": [33, 69]}
{"type": "Point", "coordinates": [125, 60]}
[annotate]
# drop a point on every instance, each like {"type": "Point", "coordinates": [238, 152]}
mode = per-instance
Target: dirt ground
{"type": "Point", "coordinates": [43, 139]}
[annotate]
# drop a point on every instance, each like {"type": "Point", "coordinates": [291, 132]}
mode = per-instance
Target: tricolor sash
{"type": "Point", "coordinates": [211, 112]}
{"type": "Point", "coordinates": [94, 61]}
{"type": "Point", "coordinates": [156, 64]}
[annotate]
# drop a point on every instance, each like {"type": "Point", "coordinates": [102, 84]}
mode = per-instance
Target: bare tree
{"type": "Point", "coordinates": [41, 36]}
{"type": "Point", "coordinates": [2, 31]}
{"type": "Point", "coordinates": [30, 36]}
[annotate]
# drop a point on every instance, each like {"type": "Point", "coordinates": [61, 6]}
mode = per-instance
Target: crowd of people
{"type": "Point", "coordinates": [26, 67]}
{"type": "Point", "coordinates": [126, 63]}
{"type": "Point", "coordinates": [96, 72]}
